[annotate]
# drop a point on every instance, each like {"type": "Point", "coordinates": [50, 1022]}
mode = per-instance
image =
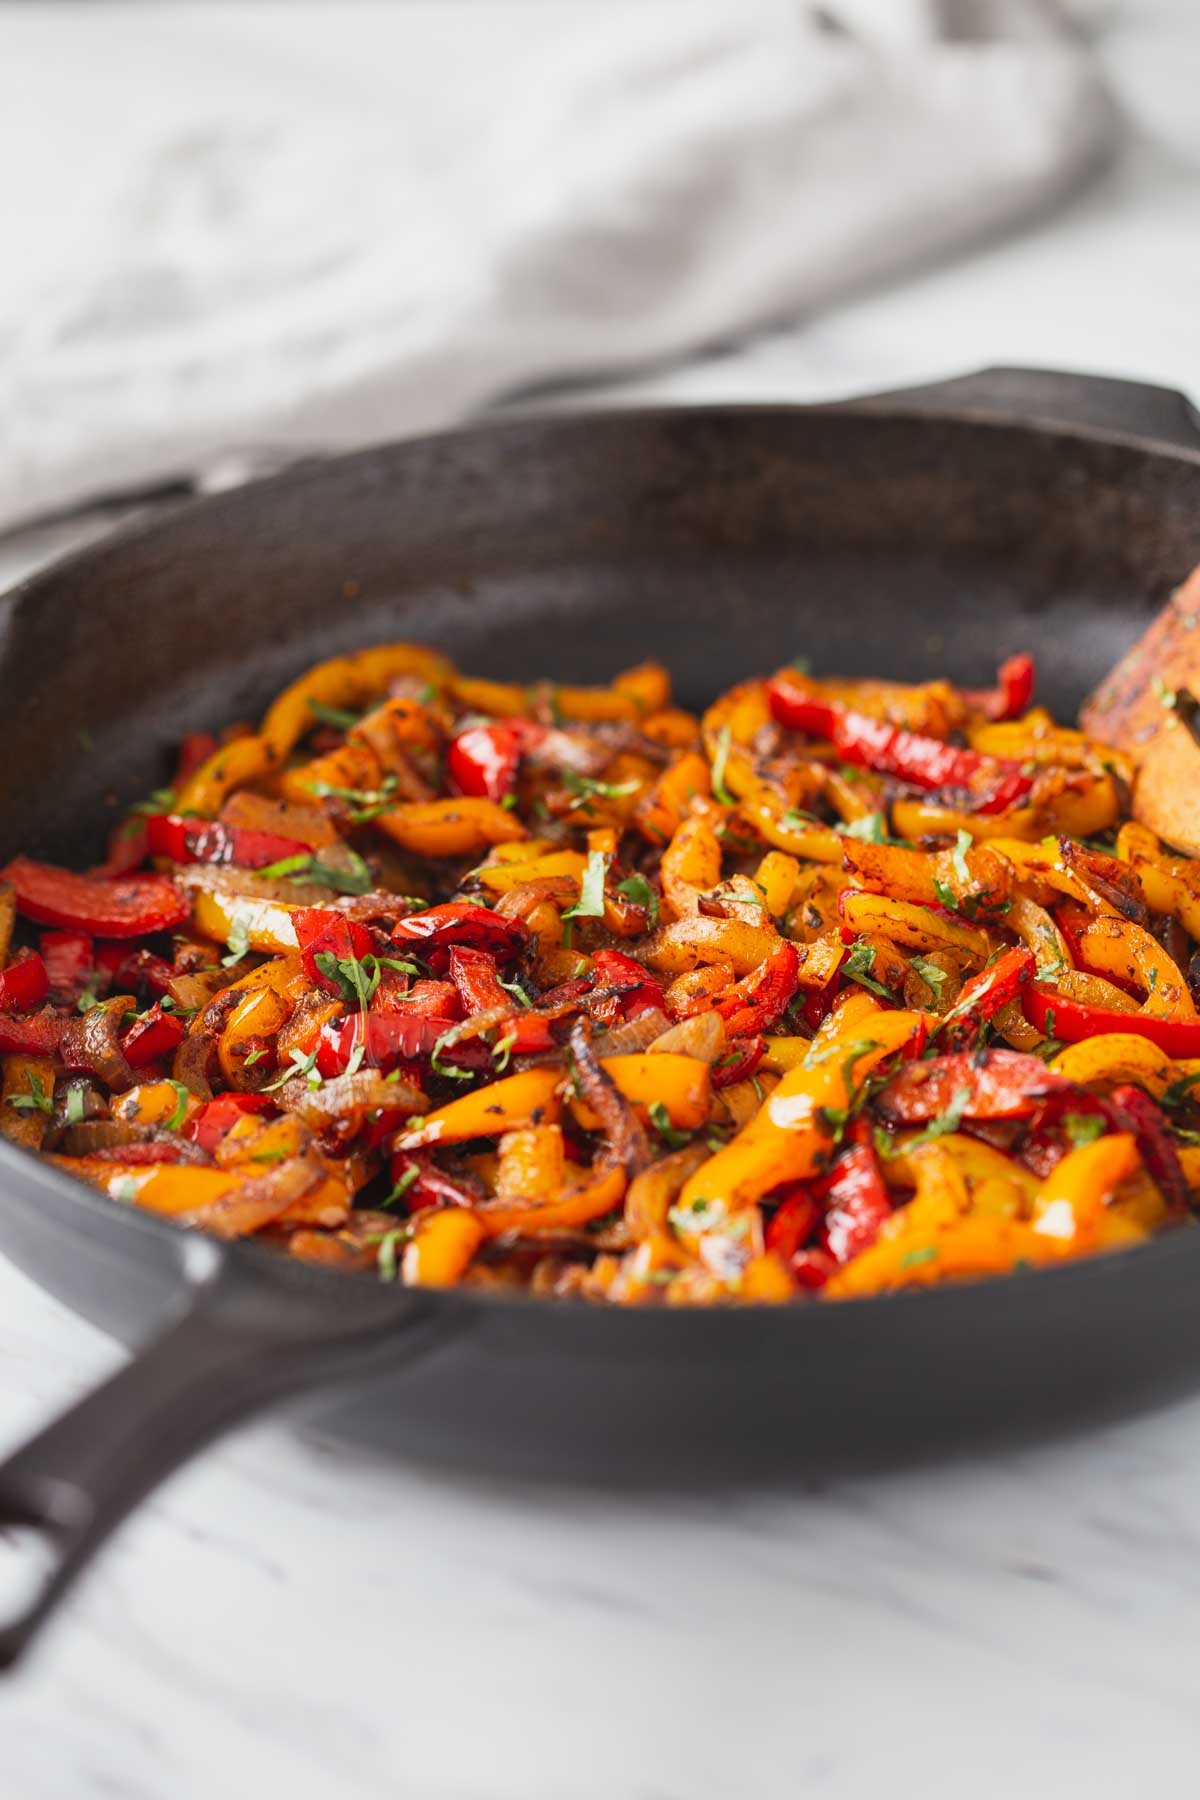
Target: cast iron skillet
{"type": "Point", "coordinates": [937, 530]}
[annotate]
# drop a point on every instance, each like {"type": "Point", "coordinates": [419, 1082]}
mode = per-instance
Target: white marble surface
{"type": "Point", "coordinates": [288, 1620]}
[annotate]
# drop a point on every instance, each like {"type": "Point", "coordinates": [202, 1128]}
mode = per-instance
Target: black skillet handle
{"type": "Point", "coordinates": [1051, 397]}
{"type": "Point", "coordinates": [240, 1340]}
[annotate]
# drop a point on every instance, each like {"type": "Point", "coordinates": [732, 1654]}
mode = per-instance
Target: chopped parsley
{"type": "Point", "coordinates": [590, 904]}
{"type": "Point", "coordinates": [934, 978]}
{"type": "Point", "coordinates": [585, 789]}
{"type": "Point", "coordinates": [962, 844]}
{"type": "Point", "coordinates": [441, 1067]}
{"type": "Point", "coordinates": [238, 942]}
{"type": "Point", "coordinates": [724, 739]}
{"type": "Point", "coordinates": [858, 966]}
{"type": "Point", "coordinates": [332, 715]}
{"type": "Point", "coordinates": [389, 1243]}
{"type": "Point", "coordinates": [308, 868]}
{"type": "Point", "coordinates": [950, 1120]}
{"type": "Point", "coordinates": [180, 1114]}
{"type": "Point", "coordinates": [301, 1065]}
{"type": "Point", "coordinates": [912, 1259]}
{"type": "Point", "coordinates": [403, 1183]}
{"type": "Point", "coordinates": [363, 803]}
{"type": "Point", "coordinates": [36, 1100]}
{"type": "Point", "coordinates": [1083, 1128]}
{"type": "Point", "coordinates": [638, 889]}
{"type": "Point", "coordinates": [660, 1118]}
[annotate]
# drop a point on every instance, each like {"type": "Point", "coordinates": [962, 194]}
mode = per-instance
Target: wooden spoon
{"type": "Point", "coordinates": [1149, 707]}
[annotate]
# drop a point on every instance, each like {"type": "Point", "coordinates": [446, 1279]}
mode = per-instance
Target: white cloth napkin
{"type": "Point", "coordinates": [256, 231]}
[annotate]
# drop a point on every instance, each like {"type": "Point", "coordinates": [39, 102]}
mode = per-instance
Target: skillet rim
{"type": "Point", "coordinates": [25, 1167]}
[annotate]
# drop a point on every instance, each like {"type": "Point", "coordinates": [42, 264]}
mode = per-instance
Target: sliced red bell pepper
{"type": "Point", "coordinates": [431, 933]}
{"type": "Point", "coordinates": [983, 996]}
{"type": "Point", "coordinates": [24, 984]}
{"type": "Point", "coordinates": [754, 1003]}
{"type": "Point", "coordinates": [1071, 1021]}
{"type": "Point", "coordinates": [423, 1000]}
{"type": "Point", "coordinates": [794, 1223]}
{"type": "Point", "coordinates": [475, 976]}
{"type": "Point", "coordinates": [70, 962]}
{"type": "Point", "coordinates": [119, 906]}
{"type": "Point", "coordinates": [624, 988]}
{"type": "Point", "coordinates": [817, 1003]}
{"type": "Point", "coordinates": [858, 1203]}
{"type": "Point", "coordinates": [869, 743]}
{"type": "Point", "coordinates": [431, 1186]}
{"type": "Point", "coordinates": [1127, 1108]}
{"type": "Point", "coordinates": [218, 1116]}
{"type": "Point", "coordinates": [811, 1269]}
{"type": "Point", "coordinates": [477, 979]}
{"type": "Point", "coordinates": [139, 969]}
{"type": "Point", "coordinates": [155, 1034]}
{"type": "Point", "coordinates": [1012, 693]}
{"type": "Point", "coordinates": [322, 931]}
{"type": "Point", "coordinates": [999, 1084]}
{"type": "Point", "coordinates": [483, 760]}
{"type": "Point", "coordinates": [390, 1039]}
{"type": "Point", "coordinates": [127, 848]}
{"type": "Point", "coordinates": [194, 748]}
{"type": "Point", "coordinates": [740, 1063]}
{"type": "Point", "coordinates": [36, 1036]}
{"type": "Point", "coordinates": [210, 841]}
{"type": "Point", "coordinates": [1131, 1109]}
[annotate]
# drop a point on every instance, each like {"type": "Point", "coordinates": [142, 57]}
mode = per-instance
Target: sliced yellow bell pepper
{"type": "Point", "coordinates": [531, 1098]}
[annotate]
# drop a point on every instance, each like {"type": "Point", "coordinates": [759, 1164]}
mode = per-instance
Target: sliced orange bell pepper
{"type": "Point", "coordinates": [792, 1132]}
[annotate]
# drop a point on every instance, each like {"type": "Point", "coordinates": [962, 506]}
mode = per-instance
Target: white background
{"type": "Point", "coordinates": [284, 1618]}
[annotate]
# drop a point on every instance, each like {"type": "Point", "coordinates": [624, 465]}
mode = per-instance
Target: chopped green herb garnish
{"type": "Point", "coordinates": [74, 1099]}
{"type": "Point", "coordinates": [307, 868]}
{"type": "Point", "coordinates": [36, 1100]}
{"type": "Point", "coordinates": [239, 944]}
{"type": "Point", "coordinates": [300, 1065]}
{"type": "Point", "coordinates": [404, 1182]}
{"type": "Point", "coordinates": [585, 789]}
{"type": "Point", "coordinates": [352, 975]}
{"type": "Point", "coordinates": [869, 829]}
{"type": "Point", "coordinates": [333, 715]}
{"type": "Point", "coordinates": [858, 966]}
{"type": "Point", "coordinates": [180, 1114]}
{"type": "Point", "coordinates": [590, 904]}
{"type": "Point", "coordinates": [389, 1243]}
{"type": "Point", "coordinates": [962, 844]}
{"type": "Point", "coordinates": [912, 1259]}
{"type": "Point", "coordinates": [363, 803]}
{"type": "Point", "coordinates": [928, 972]}
{"type": "Point", "coordinates": [1083, 1128]}
{"type": "Point", "coordinates": [660, 1118]}
{"type": "Point", "coordinates": [950, 1120]}
{"type": "Point", "coordinates": [443, 1068]}
{"type": "Point", "coordinates": [638, 889]}
{"type": "Point", "coordinates": [724, 740]}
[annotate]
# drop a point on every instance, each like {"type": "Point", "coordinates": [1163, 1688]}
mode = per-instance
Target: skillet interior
{"type": "Point", "coordinates": [723, 542]}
